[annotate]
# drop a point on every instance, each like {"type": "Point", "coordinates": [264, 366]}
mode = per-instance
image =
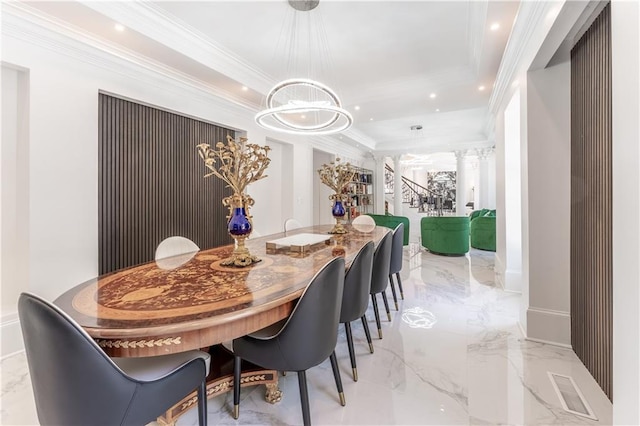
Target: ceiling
{"type": "Point", "coordinates": [394, 64]}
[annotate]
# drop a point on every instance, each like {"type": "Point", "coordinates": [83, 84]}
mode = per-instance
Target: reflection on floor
{"type": "Point", "coordinates": [453, 354]}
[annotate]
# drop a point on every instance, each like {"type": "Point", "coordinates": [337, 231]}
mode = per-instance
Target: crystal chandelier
{"type": "Point", "coordinates": [304, 105]}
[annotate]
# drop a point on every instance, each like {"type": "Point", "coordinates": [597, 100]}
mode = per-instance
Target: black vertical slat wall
{"type": "Point", "coordinates": [591, 201]}
{"type": "Point", "coordinates": [151, 183]}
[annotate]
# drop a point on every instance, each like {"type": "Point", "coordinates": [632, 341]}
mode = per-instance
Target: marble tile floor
{"type": "Point", "coordinates": [452, 355]}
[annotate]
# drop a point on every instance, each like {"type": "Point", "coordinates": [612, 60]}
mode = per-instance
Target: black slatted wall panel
{"type": "Point", "coordinates": [591, 198]}
{"type": "Point", "coordinates": [151, 183]}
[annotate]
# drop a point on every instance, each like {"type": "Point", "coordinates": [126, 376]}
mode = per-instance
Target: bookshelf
{"type": "Point", "coordinates": [360, 192]}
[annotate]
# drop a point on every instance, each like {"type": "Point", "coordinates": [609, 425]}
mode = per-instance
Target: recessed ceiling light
{"type": "Point", "coordinates": [495, 26]}
{"type": "Point", "coordinates": [437, 109]}
{"type": "Point", "coordinates": [371, 119]}
{"type": "Point", "coordinates": [303, 116]}
{"type": "Point", "coordinates": [432, 96]}
{"type": "Point", "coordinates": [357, 107]}
{"type": "Point", "coordinates": [481, 88]}
{"type": "Point", "coordinates": [245, 88]}
{"type": "Point", "coordinates": [119, 27]}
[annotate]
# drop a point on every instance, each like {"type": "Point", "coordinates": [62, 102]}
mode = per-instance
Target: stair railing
{"type": "Point", "coordinates": [410, 190]}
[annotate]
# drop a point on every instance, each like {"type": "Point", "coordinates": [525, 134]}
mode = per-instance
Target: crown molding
{"type": "Point", "coordinates": [531, 25]}
{"type": "Point", "coordinates": [29, 25]}
{"type": "Point", "coordinates": [165, 28]}
{"type": "Point", "coordinates": [367, 142]}
{"type": "Point", "coordinates": [342, 149]}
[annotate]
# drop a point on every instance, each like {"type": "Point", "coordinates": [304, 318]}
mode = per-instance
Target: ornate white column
{"type": "Point", "coordinates": [378, 185]}
{"type": "Point", "coordinates": [397, 186]}
{"type": "Point", "coordinates": [461, 184]}
{"type": "Point", "coordinates": [483, 178]}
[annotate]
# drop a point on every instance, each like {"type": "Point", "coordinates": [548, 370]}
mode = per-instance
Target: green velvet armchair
{"type": "Point", "coordinates": [445, 234]}
{"type": "Point", "coordinates": [391, 222]}
{"type": "Point", "coordinates": [482, 232]}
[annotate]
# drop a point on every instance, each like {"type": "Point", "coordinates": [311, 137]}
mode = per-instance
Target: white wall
{"type": "Point", "coordinates": [549, 203]}
{"type": "Point", "coordinates": [272, 194]}
{"type": "Point", "coordinates": [321, 202]}
{"type": "Point", "coordinates": [625, 44]}
{"type": "Point", "coordinates": [14, 202]}
{"type": "Point", "coordinates": [501, 223]}
{"type": "Point", "coordinates": [66, 76]}
{"type": "Point", "coordinates": [491, 190]}
{"type": "Point", "coordinates": [510, 253]}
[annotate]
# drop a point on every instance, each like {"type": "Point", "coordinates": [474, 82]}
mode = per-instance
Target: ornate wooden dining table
{"type": "Point", "coordinates": [193, 302]}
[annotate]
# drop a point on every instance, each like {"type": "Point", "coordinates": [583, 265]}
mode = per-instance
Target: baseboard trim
{"type": "Point", "coordinates": [547, 342]}
{"type": "Point", "coordinates": [549, 326]}
{"type": "Point", "coordinates": [512, 281]}
{"type": "Point", "coordinates": [11, 333]}
{"type": "Point", "coordinates": [498, 269]}
{"type": "Point", "coordinates": [506, 276]}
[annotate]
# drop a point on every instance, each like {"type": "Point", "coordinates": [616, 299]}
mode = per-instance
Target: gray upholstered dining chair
{"type": "Point", "coordinates": [76, 383]}
{"type": "Point", "coordinates": [355, 298]}
{"type": "Point", "coordinates": [380, 276]}
{"type": "Point", "coordinates": [396, 262]}
{"type": "Point", "coordinates": [303, 340]}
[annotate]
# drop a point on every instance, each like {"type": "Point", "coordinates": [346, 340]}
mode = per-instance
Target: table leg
{"type": "Point", "coordinates": [220, 380]}
{"type": "Point", "coordinates": [273, 393]}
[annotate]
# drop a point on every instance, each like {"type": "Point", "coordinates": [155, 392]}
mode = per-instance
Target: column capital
{"type": "Point", "coordinates": [483, 153]}
{"type": "Point", "coordinates": [460, 154]}
{"type": "Point", "coordinates": [379, 159]}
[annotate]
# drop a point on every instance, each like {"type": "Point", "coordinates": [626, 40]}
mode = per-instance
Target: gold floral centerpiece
{"type": "Point", "coordinates": [337, 175]}
{"type": "Point", "coordinates": [238, 164]}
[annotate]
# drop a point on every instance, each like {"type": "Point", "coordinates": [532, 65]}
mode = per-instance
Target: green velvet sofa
{"type": "Point", "coordinates": [390, 221]}
{"type": "Point", "coordinates": [445, 234]}
{"type": "Point", "coordinates": [482, 230]}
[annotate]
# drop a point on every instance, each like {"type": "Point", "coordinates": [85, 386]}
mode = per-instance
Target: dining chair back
{"type": "Point", "coordinates": [355, 298]}
{"type": "Point", "coordinates": [175, 251]}
{"type": "Point", "coordinates": [291, 224]}
{"type": "Point", "coordinates": [173, 246]}
{"type": "Point", "coordinates": [380, 276]}
{"type": "Point", "coordinates": [396, 262]}
{"type": "Point", "coordinates": [305, 339]}
{"type": "Point", "coordinates": [363, 223]}
{"type": "Point", "coordinates": [76, 383]}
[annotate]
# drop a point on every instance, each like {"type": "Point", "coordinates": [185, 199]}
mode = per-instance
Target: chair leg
{"type": "Point", "coordinates": [304, 397]}
{"type": "Point", "coordinates": [237, 361]}
{"type": "Point", "coordinates": [377, 314]}
{"type": "Point", "coordinates": [386, 305]}
{"type": "Point", "coordinates": [352, 355]}
{"type": "Point", "coordinates": [365, 325]}
{"type": "Point", "coordinates": [202, 403]}
{"type": "Point", "coordinates": [400, 285]}
{"type": "Point", "coordinates": [393, 291]}
{"type": "Point", "coordinates": [336, 376]}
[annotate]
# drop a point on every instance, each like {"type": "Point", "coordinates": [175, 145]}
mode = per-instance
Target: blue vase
{"type": "Point", "coordinates": [239, 223]}
{"type": "Point", "coordinates": [338, 209]}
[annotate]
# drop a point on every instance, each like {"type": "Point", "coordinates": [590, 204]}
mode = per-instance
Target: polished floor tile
{"type": "Point", "coordinates": [452, 355]}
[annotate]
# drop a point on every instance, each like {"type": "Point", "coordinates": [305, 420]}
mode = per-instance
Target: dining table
{"type": "Point", "coordinates": [191, 301]}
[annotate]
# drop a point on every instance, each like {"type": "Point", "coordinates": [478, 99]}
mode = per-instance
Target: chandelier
{"type": "Point", "coordinates": [304, 105]}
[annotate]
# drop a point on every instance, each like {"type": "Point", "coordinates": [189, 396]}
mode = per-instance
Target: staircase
{"type": "Point", "coordinates": [412, 192]}
{"type": "Point", "coordinates": [415, 195]}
